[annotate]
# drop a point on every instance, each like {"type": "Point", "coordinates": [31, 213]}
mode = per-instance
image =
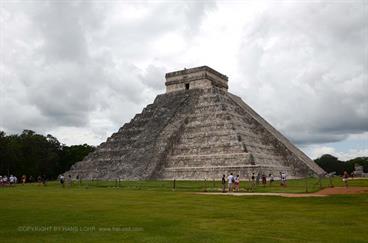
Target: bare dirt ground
{"type": "Point", "coordinates": [342, 190]}
{"type": "Point", "coordinates": [323, 193]}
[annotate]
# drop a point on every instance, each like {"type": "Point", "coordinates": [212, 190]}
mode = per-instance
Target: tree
{"type": "Point", "coordinates": [363, 161]}
{"type": "Point", "coordinates": [33, 154]}
{"type": "Point", "coordinates": [332, 164]}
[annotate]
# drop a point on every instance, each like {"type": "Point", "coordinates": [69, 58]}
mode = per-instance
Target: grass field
{"type": "Point", "coordinates": [150, 211]}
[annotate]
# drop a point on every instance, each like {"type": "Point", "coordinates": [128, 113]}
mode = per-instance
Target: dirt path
{"type": "Point", "coordinates": [323, 193]}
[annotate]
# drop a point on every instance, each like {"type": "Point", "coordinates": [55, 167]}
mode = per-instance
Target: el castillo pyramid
{"type": "Point", "coordinates": [196, 130]}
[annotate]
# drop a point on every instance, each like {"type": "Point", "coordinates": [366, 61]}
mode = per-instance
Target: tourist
{"type": "Point", "coordinates": [23, 179]}
{"type": "Point", "coordinates": [5, 180]}
{"type": "Point", "coordinates": [253, 180]}
{"type": "Point", "coordinates": [271, 178]}
{"type": "Point", "coordinates": [39, 180]}
{"type": "Point", "coordinates": [43, 180]}
{"type": "Point", "coordinates": [264, 180]}
{"type": "Point", "coordinates": [283, 179]}
{"type": "Point", "coordinates": [230, 180]}
{"type": "Point", "coordinates": [223, 182]}
{"type": "Point", "coordinates": [258, 178]}
{"type": "Point", "coordinates": [237, 183]}
{"type": "Point", "coordinates": [79, 179]}
{"type": "Point", "coordinates": [345, 178]}
{"type": "Point", "coordinates": [62, 179]}
{"type": "Point", "coordinates": [11, 179]}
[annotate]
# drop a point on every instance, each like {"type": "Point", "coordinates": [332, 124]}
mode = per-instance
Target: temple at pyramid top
{"type": "Point", "coordinates": [195, 78]}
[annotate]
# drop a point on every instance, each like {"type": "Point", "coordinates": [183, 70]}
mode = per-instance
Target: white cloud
{"type": "Point", "coordinates": [318, 151]}
{"type": "Point", "coordinates": [305, 69]}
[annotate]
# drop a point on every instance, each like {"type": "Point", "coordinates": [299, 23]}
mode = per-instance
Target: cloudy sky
{"type": "Point", "coordinates": [80, 69]}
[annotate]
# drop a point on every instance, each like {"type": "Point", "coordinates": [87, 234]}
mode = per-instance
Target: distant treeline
{"type": "Point", "coordinates": [36, 155]}
{"type": "Point", "coordinates": [332, 164]}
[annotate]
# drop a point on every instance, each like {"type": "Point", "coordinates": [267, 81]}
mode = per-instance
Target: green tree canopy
{"type": "Point", "coordinates": [33, 154]}
{"type": "Point", "coordinates": [332, 164]}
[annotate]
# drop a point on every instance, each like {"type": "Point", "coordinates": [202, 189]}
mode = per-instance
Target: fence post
{"type": "Point", "coordinates": [174, 184]}
{"type": "Point", "coordinates": [306, 184]}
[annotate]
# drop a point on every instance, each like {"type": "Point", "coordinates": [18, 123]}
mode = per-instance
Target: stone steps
{"type": "Point", "coordinates": [208, 160]}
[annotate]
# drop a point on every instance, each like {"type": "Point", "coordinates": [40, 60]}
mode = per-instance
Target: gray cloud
{"type": "Point", "coordinates": [153, 77]}
{"type": "Point", "coordinates": [305, 68]}
{"type": "Point", "coordinates": [74, 63]}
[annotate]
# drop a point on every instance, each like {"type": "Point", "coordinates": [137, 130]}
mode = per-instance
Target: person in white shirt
{"type": "Point", "coordinates": [11, 179]}
{"type": "Point", "coordinates": [62, 178]}
{"type": "Point", "coordinates": [230, 180]}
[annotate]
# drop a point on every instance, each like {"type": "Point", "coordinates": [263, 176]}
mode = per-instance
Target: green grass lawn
{"type": "Point", "coordinates": [150, 211]}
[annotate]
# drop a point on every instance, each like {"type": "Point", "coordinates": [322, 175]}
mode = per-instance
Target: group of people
{"type": "Point", "coordinates": [234, 181]}
{"type": "Point", "coordinates": [69, 180]}
{"type": "Point", "coordinates": [12, 180]}
{"type": "Point", "coordinates": [5, 180]}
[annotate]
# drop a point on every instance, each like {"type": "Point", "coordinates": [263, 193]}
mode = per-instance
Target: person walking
{"type": "Point", "coordinates": [283, 179]}
{"type": "Point", "coordinates": [271, 179]}
{"type": "Point", "coordinates": [237, 183]}
{"type": "Point", "coordinates": [345, 178]}
{"type": "Point", "coordinates": [70, 180]}
{"type": "Point", "coordinates": [62, 180]}
{"type": "Point", "coordinates": [24, 179]}
{"type": "Point", "coordinates": [258, 178]}
{"type": "Point", "coordinates": [230, 180]}
{"type": "Point", "coordinates": [223, 182]}
{"type": "Point", "coordinates": [11, 180]}
{"type": "Point", "coordinates": [253, 181]}
{"type": "Point", "coordinates": [44, 180]}
{"type": "Point", "coordinates": [264, 180]}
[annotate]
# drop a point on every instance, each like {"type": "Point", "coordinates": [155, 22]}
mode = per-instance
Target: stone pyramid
{"type": "Point", "coordinates": [196, 130]}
